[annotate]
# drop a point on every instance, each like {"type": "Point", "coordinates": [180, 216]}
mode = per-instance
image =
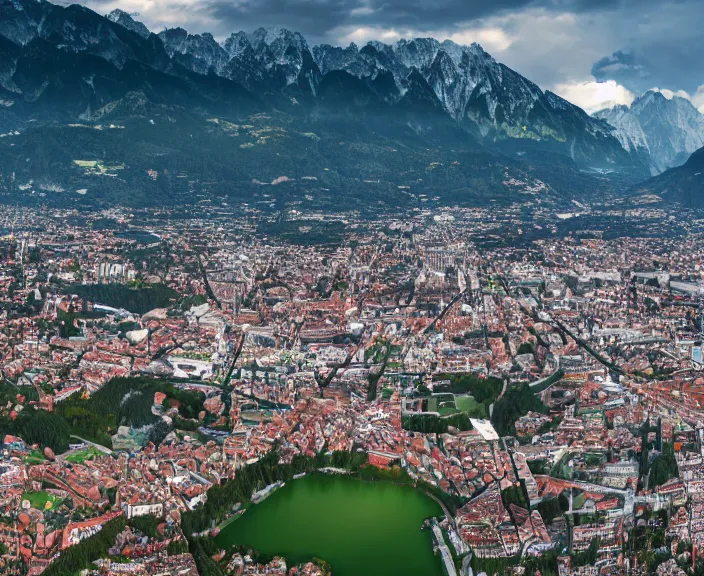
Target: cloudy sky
{"type": "Point", "coordinates": [592, 52]}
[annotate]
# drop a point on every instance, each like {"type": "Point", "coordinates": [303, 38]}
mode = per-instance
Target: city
{"type": "Point", "coordinates": [351, 288]}
{"type": "Point", "coordinates": [549, 396]}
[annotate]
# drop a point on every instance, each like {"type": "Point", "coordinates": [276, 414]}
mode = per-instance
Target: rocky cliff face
{"type": "Point", "coordinates": [670, 130]}
{"type": "Point", "coordinates": [450, 115]}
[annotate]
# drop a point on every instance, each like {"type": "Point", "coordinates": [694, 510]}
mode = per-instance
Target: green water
{"type": "Point", "coordinates": [360, 528]}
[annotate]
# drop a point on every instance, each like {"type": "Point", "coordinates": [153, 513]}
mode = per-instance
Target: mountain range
{"type": "Point", "coordinates": [667, 131]}
{"type": "Point", "coordinates": [682, 184]}
{"type": "Point", "coordinates": [100, 105]}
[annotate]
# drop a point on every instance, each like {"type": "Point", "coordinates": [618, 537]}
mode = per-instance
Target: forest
{"type": "Point", "coordinates": [136, 300]}
{"type": "Point", "coordinates": [516, 402]}
{"type": "Point", "coordinates": [80, 556]}
{"type": "Point", "coordinates": [482, 389]}
{"type": "Point", "coordinates": [121, 401]}
{"type": "Point", "coordinates": [431, 424]}
{"type": "Point", "coordinates": [664, 466]}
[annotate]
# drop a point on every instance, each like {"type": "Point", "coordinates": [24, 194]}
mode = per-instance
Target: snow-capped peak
{"type": "Point", "coordinates": [277, 36]}
{"type": "Point", "coordinates": [236, 44]}
{"type": "Point", "coordinates": [127, 21]}
{"type": "Point", "coordinates": [670, 128]}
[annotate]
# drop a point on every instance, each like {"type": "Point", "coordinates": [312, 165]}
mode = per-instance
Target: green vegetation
{"type": "Point", "coordinates": [461, 406]}
{"type": "Point", "coordinates": [561, 469]}
{"type": "Point", "coordinates": [34, 457]}
{"type": "Point", "coordinates": [515, 495]}
{"type": "Point", "coordinates": [137, 300]}
{"type": "Point", "coordinates": [443, 404]}
{"type": "Point", "coordinates": [469, 405]}
{"type": "Point", "coordinates": [147, 525]}
{"type": "Point", "coordinates": [587, 557]}
{"type": "Point", "coordinates": [551, 508]}
{"type": "Point", "coordinates": [82, 456]}
{"type": "Point", "coordinates": [516, 402]}
{"type": "Point", "coordinates": [482, 389]}
{"type": "Point", "coordinates": [80, 556]}
{"type": "Point", "coordinates": [375, 374]}
{"type": "Point", "coordinates": [66, 321]}
{"type": "Point", "coordinates": [664, 467]}
{"type": "Point", "coordinates": [447, 409]}
{"type": "Point", "coordinates": [549, 381]}
{"type": "Point", "coordinates": [493, 566]}
{"type": "Point", "coordinates": [430, 424]}
{"type": "Point", "coordinates": [323, 565]}
{"type": "Point", "coordinates": [187, 302]}
{"type": "Point", "coordinates": [203, 550]}
{"type": "Point", "coordinates": [39, 427]}
{"type": "Point", "coordinates": [525, 348]}
{"type": "Point", "coordinates": [306, 232]}
{"type": "Point", "coordinates": [376, 352]}
{"type": "Point", "coordinates": [538, 466]}
{"type": "Point", "coordinates": [39, 500]}
{"type": "Point", "coordinates": [9, 392]}
{"type": "Point", "coordinates": [645, 540]}
{"type": "Point", "coordinates": [124, 401]}
{"type": "Point", "coordinates": [545, 564]}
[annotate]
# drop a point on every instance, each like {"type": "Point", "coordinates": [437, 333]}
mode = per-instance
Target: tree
{"type": "Point", "coordinates": [664, 467]}
{"type": "Point", "coordinates": [158, 432]}
{"type": "Point", "coordinates": [587, 557]}
{"type": "Point", "coordinates": [515, 495]}
{"type": "Point", "coordinates": [81, 555]}
{"type": "Point", "coordinates": [423, 390]}
{"type": "Point", "coordinates": [516, 402]}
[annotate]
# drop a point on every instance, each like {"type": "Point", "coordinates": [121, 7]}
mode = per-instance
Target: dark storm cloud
{"type": "Point", "coordinates": [316, 18]}
{"type": "Point", "coordinates": [623, 67]}
{"type": "Point", "coordinates": [659, 48]}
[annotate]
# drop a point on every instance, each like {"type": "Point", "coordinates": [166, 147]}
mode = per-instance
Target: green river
{"type": "Point", "coordinates": [360, 528]}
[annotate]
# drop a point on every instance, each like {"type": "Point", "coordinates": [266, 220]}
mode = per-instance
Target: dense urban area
{"type": "Point", "coordinates": [539, 377]}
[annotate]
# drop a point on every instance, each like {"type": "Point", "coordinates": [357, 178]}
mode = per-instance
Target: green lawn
{"type": "Point", "coordinates": [446, 404]}
{"type": "Point", "coordinates": [34, 457]}
{"type": "Point", "coordinates": [446, 410]}
{"type": "Point", "coordinates": [39, 500]}
{"type": "Point", "coordinates": [469, 405]}
{"type": "Point", "coordinates": [82, 455]}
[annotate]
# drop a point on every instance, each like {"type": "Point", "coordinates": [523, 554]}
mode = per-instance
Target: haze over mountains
{"type": "Point", "coordinates": [683, 184]}
{"type": "Point", "coordinates": [420, 115]}
{"type": "Point", "coordinates": [666, 130]}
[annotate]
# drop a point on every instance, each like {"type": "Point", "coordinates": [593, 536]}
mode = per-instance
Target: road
{"type": "Point", "coordinates": [466, 568]}
{"type": "Point", "coordinates": [444, 550]}
{"type": "Point", "coordinates": [100, 447]}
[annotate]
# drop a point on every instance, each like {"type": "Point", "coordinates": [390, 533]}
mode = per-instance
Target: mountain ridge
{"type": "Point", "coordinates": [491, 100]}
{"type": "Point", "coordinates": [479, 129]}
{"type": "Point", "coordinates": [670, 130]}
{"type": "Point", "coordinates": [681, 184]}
